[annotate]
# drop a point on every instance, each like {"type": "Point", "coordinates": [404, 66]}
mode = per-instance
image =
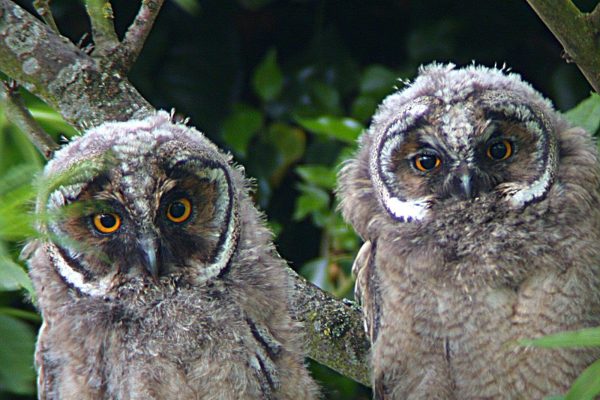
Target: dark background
{"type": "Point", "coordinates": [335, 59]}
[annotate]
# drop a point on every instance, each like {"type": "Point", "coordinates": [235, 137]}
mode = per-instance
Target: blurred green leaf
{"type": "Point", "coordinates": [378, 80]}
{"type": "Point", "coordinates": [342, 234]}
{"type": "Point", "coordinates": [316, 272]}
{"type": "Point", "coordinates": [21, 314]}
{"type": "Point", "coordinates": [190, 6]}
{"type": "Point", "coordinates": [318, 175]}
{"type": "Point", "coordinates": [311, 199]}
{"type": "Point", "coordinates": [363, 107]}
{"type": "Point", "coordinates": [13, 276]}
{"type": "Point", "coordinates": [241, 126]}
{"type": "Point", "coordinates": [17, 176]}
{"type": "Point", "coordinates": [587, 385]}
{"type": "Point", "coordinates": [16, 356]}
{"type": "Point", "coordinates": [268, 78]}
{"type": "Point", "coordinates": [580, 338]}
{"type": "Point", "coordinates": [16, 220]}
{"type": "Point", "coordinates": [289, 143]}
{"type": "Point", "coordinates": [586, 114]}
{"type": "Point", "coordinates": [326, 98]}
{"type": "Point", "coordinates": [344, 129]}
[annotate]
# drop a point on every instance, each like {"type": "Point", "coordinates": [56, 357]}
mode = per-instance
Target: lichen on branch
{"type": "Point", "coordinates": [576, 31]}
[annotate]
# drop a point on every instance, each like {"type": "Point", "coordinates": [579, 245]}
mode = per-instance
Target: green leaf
{"type": "Point", "coordinates": [241, 126]}
{"type": "Point", "coordinates": [192, 7]}
{"type": "Point", "coordinates": [316, 272]}
{"type": "Point", "coordinates": [346, 130]}
{"type": "Point", "coordinates": [13, 276]}
{"type": "Point", "coordinates": [378, 80]}
{"type": "Point", "coordinates": [289, 143]}
{"type": "Point", "coordinates": [268, 78]}
{"type": "Point", "coordinates": [363, 107]}
{"type": "Point", "coordinates": [343, 236]}
{"type": "Point", "coordinates": [311, 200]}
{"type": "Point", "coordinates": [16, 356]}
{"type": "Point", "coordinates": [318, 175]}
{"type": "Point", "coordinates": [586, 114]}
{"type": "Point", "coordinates": [580, 338]}
{"type": "Point", "coordinates": [587, 385]}
{"type": "Point", "coordinates": [326, 98]}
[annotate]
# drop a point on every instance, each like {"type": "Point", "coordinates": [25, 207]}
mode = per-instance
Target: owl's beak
{"type": "Point", "coordinates": [462, 184]}
{"type": "Point", "coordinates": [148, 247]}
{"type": "Point", "coordinates": [466, 185]}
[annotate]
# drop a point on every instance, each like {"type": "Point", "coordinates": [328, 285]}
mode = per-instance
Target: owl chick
{"type": "Point", "coordinates": [479, 207]}
{"type": "Point", "coordinates": [156, 277]}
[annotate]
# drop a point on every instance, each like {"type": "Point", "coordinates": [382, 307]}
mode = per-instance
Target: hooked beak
{"type": "Point", "coordinates": [466, 186]}
{"type": "Point", "coordinates": [149, 250]}
{"type": "Point", "coordinates": [463, 184]}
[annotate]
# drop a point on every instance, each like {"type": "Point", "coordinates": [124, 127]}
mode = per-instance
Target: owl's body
{"type": "Point", "coordinates": [158, 279]}
{"type": "Point", "coordinates": [480, 209]}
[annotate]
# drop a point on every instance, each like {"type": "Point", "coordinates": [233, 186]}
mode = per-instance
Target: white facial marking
{"type": "Point", "coordinates": [75, 278]}
{"type": "Point", "coordinates": [406, 210]}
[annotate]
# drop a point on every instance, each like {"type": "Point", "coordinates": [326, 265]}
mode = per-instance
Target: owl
{"type": "Point", "coordinates": [480, 211]}
{"type": "Point", "coordinates": [156, 276]}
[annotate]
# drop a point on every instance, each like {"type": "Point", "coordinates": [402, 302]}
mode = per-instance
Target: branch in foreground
{"type": "Point", "coordinates": [62, 75]}
{"type": "Point", "coordinates": [71, 82]}
{"type": "Point", "coordinates": [18, 114]}
{"type": "Point", "coordinates": [577, 32]}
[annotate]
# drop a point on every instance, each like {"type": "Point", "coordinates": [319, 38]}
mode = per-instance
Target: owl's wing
{"type": "Point", "coordinates": [366, 290]}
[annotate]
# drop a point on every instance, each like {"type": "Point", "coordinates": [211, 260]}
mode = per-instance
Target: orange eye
{"type": "Point", "coordinates": [499, 151]}
{"type": "Point", "coordinates": [179, 210]}
{"type": "Point", "coordinates": [427, 162]}
{"type": "Point", "coordinates": [107, 223]}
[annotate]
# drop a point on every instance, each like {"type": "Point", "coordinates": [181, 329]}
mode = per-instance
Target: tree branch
{"type": "Point", "coordinates": [136, 35]}
{"type": "Point", "coordinates": [86, 94]}
{"type": "Point", "coordinates": [577, 32]}
{"type": "Point", "coordinates": [18, 114]}
{"type": "Point", "coordinates": [333, 328]}
{"type": "Point", "coordinates": [61, 74]}
{"type": "Point", "coordinates": [103, 28]}
{"type": "Point", "coordinates": [42, 7]}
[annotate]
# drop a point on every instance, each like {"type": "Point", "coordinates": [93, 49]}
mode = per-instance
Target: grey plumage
{"type": "Point", "coordinates": [479, 207]}
{"type": "Point", "coordinates": [156, 276]}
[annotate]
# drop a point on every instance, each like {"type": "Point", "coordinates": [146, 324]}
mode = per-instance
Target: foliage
{"type": "Point", "coordinates": [287, 87]}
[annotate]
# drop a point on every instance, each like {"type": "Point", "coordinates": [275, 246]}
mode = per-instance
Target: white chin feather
{"type": "Point", "coordinates": [406, 210]}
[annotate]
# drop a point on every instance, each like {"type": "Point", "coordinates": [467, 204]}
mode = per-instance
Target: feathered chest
{"type": "Point", "coordinates": [470, 245]}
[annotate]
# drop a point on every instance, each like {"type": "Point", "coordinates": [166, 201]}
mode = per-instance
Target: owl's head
{"type": "Point", "coordinates": [453, 135]}
{"type": "Point", "coordinates": [130, 203]}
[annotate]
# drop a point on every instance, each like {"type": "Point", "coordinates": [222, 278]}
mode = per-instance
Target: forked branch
{"type": "Point", "coordinates": [577, 32]}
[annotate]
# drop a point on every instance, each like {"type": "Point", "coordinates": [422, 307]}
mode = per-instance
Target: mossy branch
{"type": "Point", "coordinates": [577, 32]}
{"type": "Point", "coordinates": [103, 28]}
{"type": "Point", "coordinates": [61, 74]}
{"type": "Point", "coordinates": [88, 91]}
{"type": "Point", "coordinates": [18, 114]}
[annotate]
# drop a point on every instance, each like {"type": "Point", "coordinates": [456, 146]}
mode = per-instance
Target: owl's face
{"type": "Point", "coordinates": [458, 135]}
{"type": "Point", "coordinates": [160, 206]}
